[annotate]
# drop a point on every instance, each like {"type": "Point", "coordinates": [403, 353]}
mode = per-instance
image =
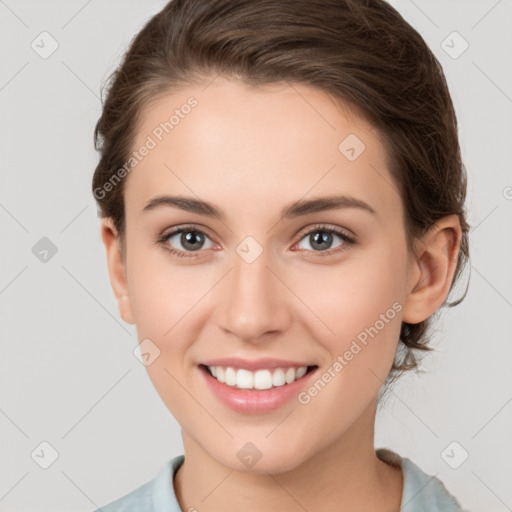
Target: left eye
{"type": "Point", "coordinates": [321, 239]}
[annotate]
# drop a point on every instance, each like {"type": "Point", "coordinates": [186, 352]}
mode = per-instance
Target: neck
{"type": "Point", "coordinates": [342, 476]}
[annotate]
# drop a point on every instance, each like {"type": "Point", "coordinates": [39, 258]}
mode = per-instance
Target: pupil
{"type": "Point", "coordinates": [324, 239]}
{"type": "Point", "coordinates": [188, 238]}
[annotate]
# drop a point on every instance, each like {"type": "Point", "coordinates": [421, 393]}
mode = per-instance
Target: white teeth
{"type": "Point", "coordinates": [220, 373]}
{"type": "Point", "coordinates": [244, 379]}
{"type": "Point", "coordinates": [260, 379]}
{"type": "Point", "coordinates": [278, 377]}
{"type": "Point", "coordinates": [230, 376]}
{"type": "Point", "coordinates": [301, 372]}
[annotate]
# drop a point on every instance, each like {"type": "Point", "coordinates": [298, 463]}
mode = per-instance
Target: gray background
{"type": "Point", "coordinates": [68, 374]}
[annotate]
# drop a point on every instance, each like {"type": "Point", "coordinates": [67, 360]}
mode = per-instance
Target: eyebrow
{"type": "Point", "coordinates": [293, 210]}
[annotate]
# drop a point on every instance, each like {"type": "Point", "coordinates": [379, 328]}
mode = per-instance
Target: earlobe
{"type": "Point", "coordinates": [125, 309]}
{"type": "Point", "coordinates": [116, 269]}
{"type": "Point", "coordinates": [433, 269]}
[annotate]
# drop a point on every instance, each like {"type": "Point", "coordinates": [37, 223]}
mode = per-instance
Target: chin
{"type": "Point", "coordinates": [250, 459]}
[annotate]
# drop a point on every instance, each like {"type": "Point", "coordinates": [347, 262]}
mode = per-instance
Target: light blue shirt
{"type": "Point", "coordinates": [421, 492]}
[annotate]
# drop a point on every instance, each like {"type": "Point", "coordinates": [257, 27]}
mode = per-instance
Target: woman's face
{"type": "Point", "coordinates": [260, 284]}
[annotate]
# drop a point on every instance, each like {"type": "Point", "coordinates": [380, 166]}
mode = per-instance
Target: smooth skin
{"type": "Point", "coordinates": [251, 152]}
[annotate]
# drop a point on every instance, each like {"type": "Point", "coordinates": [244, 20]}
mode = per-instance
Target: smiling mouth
{"type": "Point", "coordinates": [267, 378]}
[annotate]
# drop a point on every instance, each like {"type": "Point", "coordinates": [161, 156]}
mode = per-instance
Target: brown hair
{"type": "Point", "coordinates": [360, 52]}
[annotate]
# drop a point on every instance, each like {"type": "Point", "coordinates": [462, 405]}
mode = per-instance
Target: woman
{"type": "Point", "coordinates": [282, 202]}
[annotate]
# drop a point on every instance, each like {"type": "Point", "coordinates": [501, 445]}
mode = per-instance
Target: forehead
{"type": "Point", "coordinates": [226, 140]}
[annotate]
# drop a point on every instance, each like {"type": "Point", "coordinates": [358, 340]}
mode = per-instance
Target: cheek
{"type": "Point", "coordinates": [164, 299]}
{"type": "Point", "coordinates": [169, 308]}
{"type": "Point", "coordinates": [359, 301]}
{"type": "Point", "coordinates": [161, 293]}
{"type": "Point", "coordinates": [361, 305]}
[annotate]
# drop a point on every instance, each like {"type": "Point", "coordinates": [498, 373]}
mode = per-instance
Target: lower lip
{"type": "Point", "coordinates": [248, 401]}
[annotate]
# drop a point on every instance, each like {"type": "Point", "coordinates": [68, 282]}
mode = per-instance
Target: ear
{"type": "Point", "coordinates": [116, 269]}
{"type": "Point", "coordinates": [432, 270]}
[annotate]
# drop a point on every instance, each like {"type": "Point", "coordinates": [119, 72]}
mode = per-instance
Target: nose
{"type": "Point", "coordinates": [254, 301]}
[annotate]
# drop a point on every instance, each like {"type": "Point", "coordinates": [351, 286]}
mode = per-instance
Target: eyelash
{"type": "Point", "coordinates": [349, 241]}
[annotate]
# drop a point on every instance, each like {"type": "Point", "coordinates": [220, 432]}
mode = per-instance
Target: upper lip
{"type": "Point", "coordinates": [254, 364]}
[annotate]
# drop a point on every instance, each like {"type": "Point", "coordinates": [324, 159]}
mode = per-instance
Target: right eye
{"type": "Point", "coordinates": [191, 239]}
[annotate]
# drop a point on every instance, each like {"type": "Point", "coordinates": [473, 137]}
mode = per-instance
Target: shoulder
{"type": "Point", "coordinates": [157, 495]}
{"type": "Point", "coordinates": [137, 500]}
{"type": "Point", "coordinates": [421, 492]}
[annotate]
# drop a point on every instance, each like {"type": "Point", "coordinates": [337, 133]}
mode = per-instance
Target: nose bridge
{"type": "Point", "coordinates": [252, 301]}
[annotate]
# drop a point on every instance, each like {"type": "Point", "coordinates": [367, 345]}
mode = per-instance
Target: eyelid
{"type": "Point", "coordinates": [178, 229]}
{"type": "Point", "coordinates": [326, 227]}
